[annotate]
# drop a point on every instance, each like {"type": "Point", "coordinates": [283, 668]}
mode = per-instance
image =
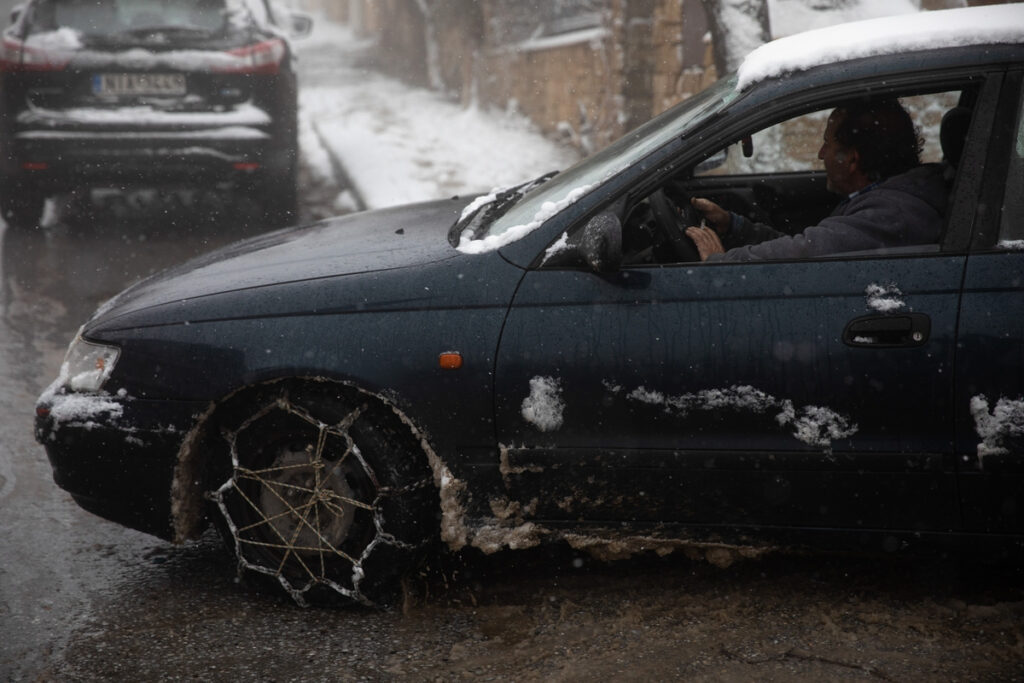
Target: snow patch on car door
{"type": "Point", "coordinates": [995, 424]}
{"type": "Point", "coordinates": [543, 408]}
{"type": "Point", "coordinates": [814, 425]}
{"type": "Point", "coordinates": [884, 298]}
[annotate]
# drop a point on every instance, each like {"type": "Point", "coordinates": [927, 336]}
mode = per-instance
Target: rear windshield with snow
{"type": "Point", "coordinates": [112, 17]}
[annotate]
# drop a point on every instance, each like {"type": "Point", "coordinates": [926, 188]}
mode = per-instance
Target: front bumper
{"type": "Point", "coordinates": [116, 457]}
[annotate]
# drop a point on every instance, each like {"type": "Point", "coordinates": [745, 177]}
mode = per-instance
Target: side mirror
{"type": "Point", "coordinates": [16, 13]}
{"type": "Point", "coordinates": [600, 242]}
{"type": "Point", "coordinates": [300, 25]}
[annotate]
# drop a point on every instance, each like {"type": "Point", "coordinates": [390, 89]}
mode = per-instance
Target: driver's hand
{"type": "Point", "coordinates": [717, 217]}
{"type": "Point", "coordinates": [707, 241]}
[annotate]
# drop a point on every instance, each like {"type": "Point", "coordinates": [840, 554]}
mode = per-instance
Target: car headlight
{"type": "Point", "coordinates": [88, 365]}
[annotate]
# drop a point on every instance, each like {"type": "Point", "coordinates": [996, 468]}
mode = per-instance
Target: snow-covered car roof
{"type": "Point", "coordinates": [989, 25]}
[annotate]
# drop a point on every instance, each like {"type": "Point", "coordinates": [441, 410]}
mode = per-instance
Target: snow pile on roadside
{"type": "Point", "coordinates": [400, 144]}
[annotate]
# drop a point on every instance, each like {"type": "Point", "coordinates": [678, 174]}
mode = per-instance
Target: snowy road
{"type": "Point", "coordinates": [83, 599]}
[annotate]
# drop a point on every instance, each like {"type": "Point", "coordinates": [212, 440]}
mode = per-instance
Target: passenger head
{"type": "Point", "coordinates": [883, 135]}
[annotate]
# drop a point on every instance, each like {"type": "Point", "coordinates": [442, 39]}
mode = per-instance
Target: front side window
{"type": "Point", "coordinates": [816, 185]}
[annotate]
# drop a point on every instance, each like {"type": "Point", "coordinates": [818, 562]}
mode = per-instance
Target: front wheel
{"type": "Point", "coordinates": [325, 495]}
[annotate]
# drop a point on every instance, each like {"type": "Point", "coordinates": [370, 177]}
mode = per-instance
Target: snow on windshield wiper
{"type": "Point", "coordinates": [488, 208]}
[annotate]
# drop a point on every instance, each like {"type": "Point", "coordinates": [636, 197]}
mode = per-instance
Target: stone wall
{"type": "Point", "coordinates": [593, 84]}
{"type": "Point", "coordinates": [569, 90]}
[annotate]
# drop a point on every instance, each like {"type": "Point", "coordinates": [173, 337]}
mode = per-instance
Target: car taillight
{"type": "Point", "coordinates": [261, 58]}
{"type": "Point", "coordinates": [16, 56]}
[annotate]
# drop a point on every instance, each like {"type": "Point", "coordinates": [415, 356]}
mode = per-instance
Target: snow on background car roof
{"type": "Point", "coordinates": [884, 36]}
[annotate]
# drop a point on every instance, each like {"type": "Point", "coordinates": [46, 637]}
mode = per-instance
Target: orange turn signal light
{"type": "Point", "coordinates": [450, 360]}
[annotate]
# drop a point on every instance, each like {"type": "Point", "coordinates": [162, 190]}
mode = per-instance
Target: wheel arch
{"type": "Point", "coordinates": [195, 462]}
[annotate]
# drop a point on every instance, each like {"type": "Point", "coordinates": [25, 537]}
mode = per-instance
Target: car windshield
{"type": "Point", "coordinates": [542, 201]}
{"type": "Point", "coordinates": [113, 17]}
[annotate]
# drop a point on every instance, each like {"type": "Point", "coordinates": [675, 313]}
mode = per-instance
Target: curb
{"type": "Point", "coordinates": [341, 176]}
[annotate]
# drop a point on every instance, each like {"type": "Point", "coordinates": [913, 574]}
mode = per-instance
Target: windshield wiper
{"type": "Point", "coordinates": [497, 205]}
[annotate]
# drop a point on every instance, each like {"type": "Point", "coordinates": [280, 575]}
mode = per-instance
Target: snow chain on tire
{"type": "Point", "coordinates": [323, 515]}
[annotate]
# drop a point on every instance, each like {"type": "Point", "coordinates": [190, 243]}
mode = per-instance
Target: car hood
{"type": "Point", "coordinates": [367, 242]}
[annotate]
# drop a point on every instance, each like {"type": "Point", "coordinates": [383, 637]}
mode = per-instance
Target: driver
{"type": "Point", "coordinates": [872, 158]}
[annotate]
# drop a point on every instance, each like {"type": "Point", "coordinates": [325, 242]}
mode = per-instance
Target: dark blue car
{"type": "Point", "coordinates": [553, 362]}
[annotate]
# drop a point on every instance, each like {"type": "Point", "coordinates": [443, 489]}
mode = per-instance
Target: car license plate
{"type": "Point", "coordinates": [126, 84]}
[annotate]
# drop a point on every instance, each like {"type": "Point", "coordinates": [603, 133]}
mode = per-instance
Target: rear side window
{"type": "Point", "coordinates": [1011, 223]}
{"type": "Point", "coordinates": [110, 17]}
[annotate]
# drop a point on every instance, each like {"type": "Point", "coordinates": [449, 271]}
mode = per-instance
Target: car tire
{"type": "Point", "coordinates": [22, 208]}
{"type": "Point", "coordinates": [327, 493]}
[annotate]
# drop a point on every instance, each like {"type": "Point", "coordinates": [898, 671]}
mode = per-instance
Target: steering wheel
{"type": "Point", "coordinates": [672, 220]}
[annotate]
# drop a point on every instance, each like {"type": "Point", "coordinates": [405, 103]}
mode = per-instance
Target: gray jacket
{"type": "Point", "coordinates": [903, 210]}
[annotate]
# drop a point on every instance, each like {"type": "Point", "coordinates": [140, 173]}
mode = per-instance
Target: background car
{"type": "Point", "coordinates": [135, 92]}
{"type": "Point", "coordinates": [546, 362]}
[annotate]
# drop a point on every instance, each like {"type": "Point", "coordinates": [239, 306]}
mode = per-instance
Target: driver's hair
{"type": "Point", "coordinates": [883, 134]}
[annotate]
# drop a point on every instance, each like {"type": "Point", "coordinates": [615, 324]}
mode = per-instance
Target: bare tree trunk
{"type": "Point", "coordinates": [430, 44]}
{"type": "Point", "coordinates": [737, 27]}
